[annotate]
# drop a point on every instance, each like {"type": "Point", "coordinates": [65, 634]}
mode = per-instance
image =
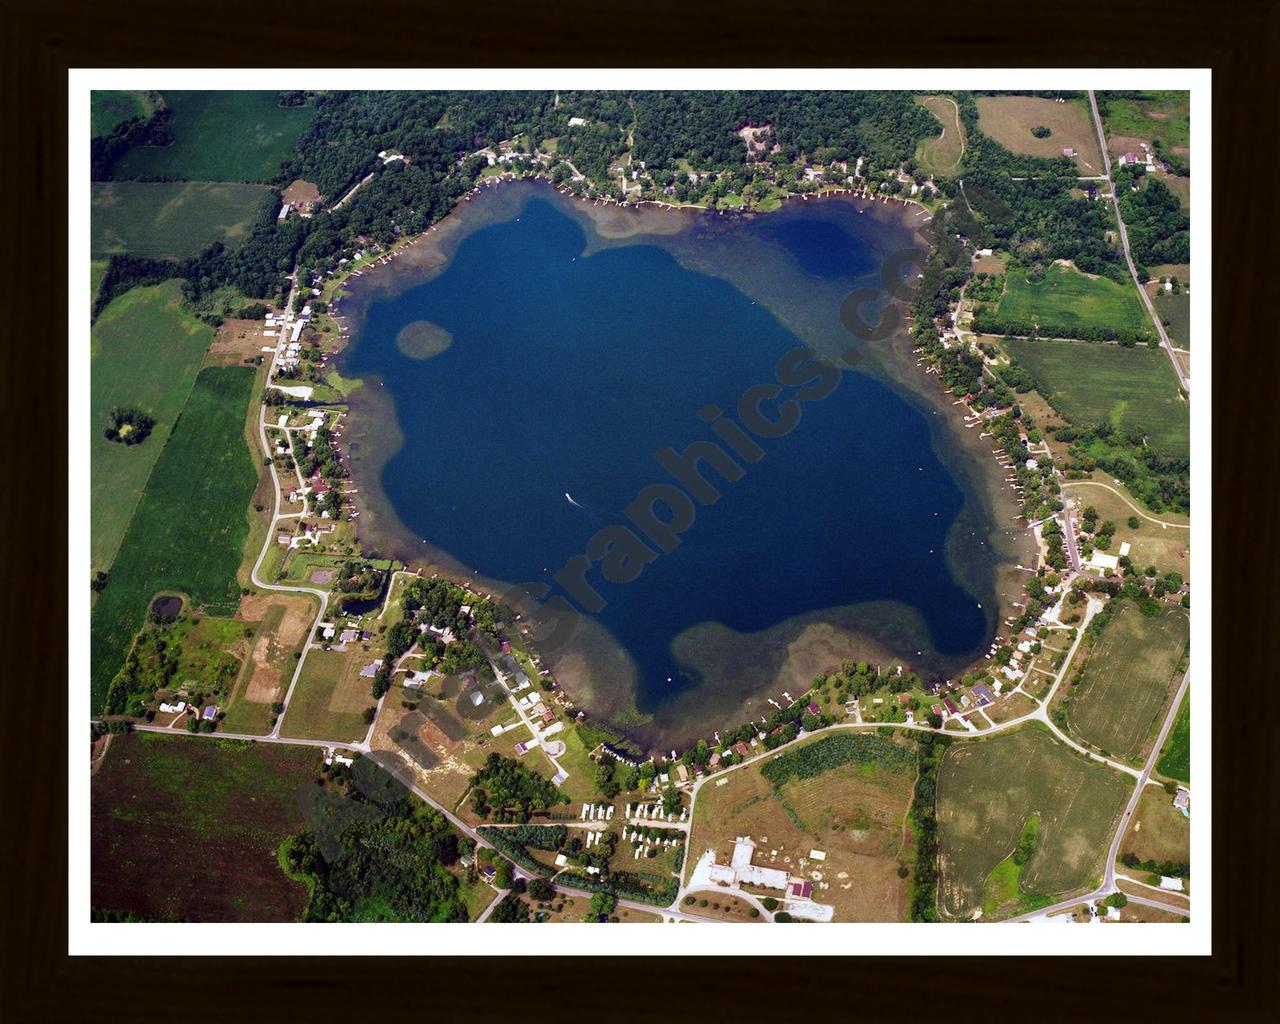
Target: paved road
{"type": "Point", "coordinates": [1165, 343]}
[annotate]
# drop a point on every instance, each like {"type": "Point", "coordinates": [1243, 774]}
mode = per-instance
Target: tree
{"type": "Point", "coordinates": [541, 890]}
{"type": "Point", "coordinates": [602, 903]}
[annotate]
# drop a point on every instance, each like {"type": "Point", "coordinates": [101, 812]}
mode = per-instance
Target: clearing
{"type": "Point", "coordinates": [1009, 120]}
{"type": "Point", "coordinates": [1163, 115]}
{"type": "Point", "coordinates": [988, 790]}
{"type": "Point", "coordinates": [1066, 302]}
{"type": "Point", "coordinates": [220, 136]}
{"type": "Point", "coordinates": [171, 219]}
{"type": "Point", "coordinates": [188, 531]}
{"type": "Point", "coordinates": [281, 622]}
{"type": "Point", "coordinates": [1131, 672]}
{"type": "Point", "coordinates": [854, 811]}
{"type": "Point", "coordinates": [1132, 388]}
{"type": "Point", "coordinates": [1158, 832]}
{"type": "Point", "coordinates": [941, 155]}
{"type": "Point", "coordinates": [186, 829]}
{"type": "Point", "coordinates": [145, 350]}
{"type": "Point", "coordinates": [331, 698]}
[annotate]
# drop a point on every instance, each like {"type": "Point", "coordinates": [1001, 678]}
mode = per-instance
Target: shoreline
{"type": "Point", "coordinates": [823, 630]}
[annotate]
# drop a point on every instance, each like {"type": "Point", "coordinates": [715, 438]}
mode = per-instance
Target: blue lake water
{"type": "Point", "coordinates": [570, 365]}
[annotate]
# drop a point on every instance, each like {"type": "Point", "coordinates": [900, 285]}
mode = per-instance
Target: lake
{"type": "Point", "coordinates": [524, 369]}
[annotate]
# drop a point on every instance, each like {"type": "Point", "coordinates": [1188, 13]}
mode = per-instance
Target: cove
{"type": "Point", "coordinates": [541, 362]}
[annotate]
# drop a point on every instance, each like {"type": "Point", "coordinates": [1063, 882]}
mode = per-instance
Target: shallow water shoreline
{"type": "Point", "coordinates": [809, 645]}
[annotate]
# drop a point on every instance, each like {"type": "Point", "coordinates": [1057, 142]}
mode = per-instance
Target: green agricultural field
{"type": "Point", "coordinates": [1067, 299]}
{"type": "Point", "coordinates": [1176, 310]}
{"type": "Point", "coordinates": [144, 351]}
{"type": "Point", "coordinates": [988, 791]}
{"type": "Point", "coordinates": [171, 219]}
{"type": "Point", "coordinates": [1175, 760]}
{"type": "Point", "coordinates": [331, 697]}
{"type": "Point", "coordinates": [108, 107]}
{"type": "Point", "coordinates": [220, 136]}
{"type": "Point", "coordinates": [1128, 678]}
{"type": "Point", "coordinates": [186, 829]}
{"type": "Point", "coordinates": [1132, 388]}
{"type": "Point", "coordinates": [189, 528]}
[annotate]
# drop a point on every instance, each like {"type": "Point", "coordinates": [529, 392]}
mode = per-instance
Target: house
{"type": "Point", "coordinates": [813, 709]}
{"type": "Point", "coordinates": [1124, 549]}
{"type": "Point", "coordinates": [983, 692]}
{"type": "Point", "coordinates": [1068, 152]}
{"type": "Point", "coordinates": [936, 709]}
{"type": "Point", "coordinates": [753, 874]}
{"type": "Point", "coordinates": [950, 705]}
{"type": "Point", "coordinates": [715, 759]}
{"type": "Point", "coordinates": [173, 709]}
{"type": "Point", "coordinates": [349, 636]}
{"type": "Point", "coordinates": [477, 698]}
{"type": "Point", "coordinates": [1128, 159]}
{"type": "Point", "coordinates": [210, 713]}
{"type": "Point", "coordinates": [740, 749]}
{"type": "Point", "coordinates": [1171, 883]}
{"type": "Point", "coordinates": [682, 772]}
{"type": "Point", "coordinates": [1182, 801]}
{"type": "Point", "coordinates": [577, 122]}
{"type": "Point", "coordinates": [371, 670]}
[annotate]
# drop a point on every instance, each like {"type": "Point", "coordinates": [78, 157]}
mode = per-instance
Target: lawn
{"type": "Point", "coordinates": [854, 812]}
{"type": "Point", "coordinates": [1009, 120]}
{"type": "Point", "coordinates": [145, 351]}
{"type": "Point", "coordinates": [1128, 679]}
{"type": "Point", "coordinates": [989, 789]}
{"type": "Point", "coordinates": [331, 697]}
{"type": "Point", "coordinates": [186, 829]}
{"type": "Point", "coordinates": [108, 107]}
{"type": "Point", "coordinates": [188, 531]}
{"type": "Point", "coordinates": [1175, 759]}
{"type": "Point", "coordinates": [220, 136]}
{"type": "Point", "coordinates": [1168, 548]}
{"type": "Point", "coordinates": [941, 155]}
{"type": "Point", "coordinates": [171, 219]}
{"type": "Point", "coordinates": [1067, 300]}
{"type": "Point", "coordinates": [1132, 388]}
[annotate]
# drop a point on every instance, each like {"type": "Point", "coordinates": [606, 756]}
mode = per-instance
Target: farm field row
{"type": "Point", "coordinates": [171, 219]}
{"type": "Point", "coordinates": [187, 533]}
{"type": "Point", "coordinates": [145, 351]}
{"type": "Point", "coordinates": [1130, 388]}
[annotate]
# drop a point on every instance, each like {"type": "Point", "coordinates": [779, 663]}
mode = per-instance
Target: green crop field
{"type": "Point", "coordinates": [171, 219]}
{"type": "Point", "coordinates": [108, 107]}
{"type": "Point", "coordinates": [1128, 387]}
{"type": "Point", "coordinates": [1175, 760]}
{"type": "Point", "coordinates": [331, 697]}
{"type": "Point", "coordinates": [186, 829]}
{"type": "Point", "coordinates": [1176, 309]}
{"type": "Point", "coordinates": [220, 136]}
{"type": "Point", "coordinates": [1127, 679]}
{"type": "Point", "coordinates": [989, 789]}
{"type": "Point", "coordinates": [144, 351]}
{"type": "Point", "coordinates": [1066, 298]}
{"type": "Point", "coordinates": [189, 528]}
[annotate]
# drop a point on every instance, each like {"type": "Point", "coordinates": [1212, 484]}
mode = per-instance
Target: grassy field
{"type": "Point", "coordinates": [187, 533]}
{"type": "Point", "coordinates": [171, 219]}
{"type": "Point", "coordinates": [941, 155]}
{"type": "Point", "coordinates": [220, 136]}
{"type": "Point", "coordinates": [1128, 678]}
{"type": "Point", "coordinates": [144, 351]}
{"type": "Point", "coordinates": [1163, 115]}
{"type": "Point", "coordinates": [853, 812]}
{"type": "Point", "coordinates": [1128, 387]}
{"type": "Point", "coordinates": [1009, 120]}
{"type": "Point", "coordinates": [1157, 832]}
{"type": "Point", "coordinates": [186, 829]}
{"type": "Point", "coordinates": [280, 623]}
{"type": "Point", "coordinates": [1066, 298]}
{"type": "Point", "coordinates": [1176, 310]}
{"type": "Point", "coordinates": [331, 697]}
{"type": "Point", "coordinates": [1167, 548]}
{"type": "Point", "coordinates": [108, 107]}
{"type": "Point", "coordinates": [987, 792]}
{"type": "Point", "coordinates": [1175, 759]}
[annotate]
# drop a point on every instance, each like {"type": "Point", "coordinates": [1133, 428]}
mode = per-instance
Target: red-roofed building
{"type": "Point", "coordinates": [814, 709]}
{"type": "Point", "coordinates": [800, 890]}
{"type": "Point", "coordinates": [741, 749]}
{"type": "Point", "coordinates": [318, 486]}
